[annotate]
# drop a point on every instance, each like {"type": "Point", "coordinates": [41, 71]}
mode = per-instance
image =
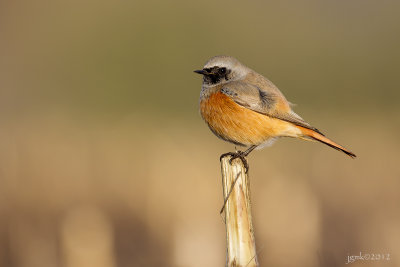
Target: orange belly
{"type": "Point", "coordinates": [240, 125]}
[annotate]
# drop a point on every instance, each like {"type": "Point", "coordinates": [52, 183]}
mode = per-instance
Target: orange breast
{"type": "Point", "coordinates": [238, 124]}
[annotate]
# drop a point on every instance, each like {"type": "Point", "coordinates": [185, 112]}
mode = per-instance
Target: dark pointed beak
{"type": "Point", "coordinates": [202, 72]}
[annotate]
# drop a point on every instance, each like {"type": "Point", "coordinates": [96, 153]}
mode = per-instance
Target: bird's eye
{"type": "Point", "coordinates": [222, 70]}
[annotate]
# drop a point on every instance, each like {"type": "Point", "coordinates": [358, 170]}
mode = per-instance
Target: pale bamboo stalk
{"type": "Point", "coordinates": [241, 248]}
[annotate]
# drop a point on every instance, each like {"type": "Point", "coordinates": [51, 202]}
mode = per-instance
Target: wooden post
{"type": "Point", "coordinates": [241, 248]}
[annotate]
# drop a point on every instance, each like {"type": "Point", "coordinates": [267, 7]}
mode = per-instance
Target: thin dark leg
{"type": "Point", "coordinates": [241, 155]}
{"type": "Point", "coordinates": [247, 152]}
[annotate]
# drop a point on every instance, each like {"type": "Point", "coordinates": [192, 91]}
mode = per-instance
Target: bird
{"type": "Point", "coordinates": [243, 107]}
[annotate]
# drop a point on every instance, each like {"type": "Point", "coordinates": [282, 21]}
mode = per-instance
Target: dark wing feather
{"type": "Point", "coordinates": [263, 101]}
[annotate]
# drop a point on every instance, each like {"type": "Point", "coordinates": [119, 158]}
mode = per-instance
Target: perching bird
{"type": "Point", "coordinates": [245, 108]}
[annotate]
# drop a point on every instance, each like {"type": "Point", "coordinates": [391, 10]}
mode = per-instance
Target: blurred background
{"type": "Point", "coordinates": [105, 160]}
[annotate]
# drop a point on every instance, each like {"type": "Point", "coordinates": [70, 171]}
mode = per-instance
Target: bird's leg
{"type": "Point", "coordinates": [247, 152]}
{"type": "Point", "coordinates": [238, 154]}
{"type": "Point", "coordinates": [241, 155]}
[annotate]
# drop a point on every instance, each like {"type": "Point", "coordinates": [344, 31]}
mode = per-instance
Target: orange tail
{"type": "Point", "coordinates": [319, 137]}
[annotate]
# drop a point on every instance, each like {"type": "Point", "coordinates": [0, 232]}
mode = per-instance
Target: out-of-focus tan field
{"type": "Point", "coordinates": [105, 161]}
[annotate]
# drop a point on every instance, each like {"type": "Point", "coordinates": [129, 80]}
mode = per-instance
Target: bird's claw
{"type": "Point", "coordinates": [234, 155]}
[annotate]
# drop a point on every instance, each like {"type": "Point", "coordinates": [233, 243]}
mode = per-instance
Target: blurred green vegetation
{"type": "Point", "coordinates": [104, 159]}
{"type": "Point", "coordinates": [101, 56]}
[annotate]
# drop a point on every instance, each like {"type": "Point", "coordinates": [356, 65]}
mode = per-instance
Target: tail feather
{"type": "Point", "coordinates": [319, 137]}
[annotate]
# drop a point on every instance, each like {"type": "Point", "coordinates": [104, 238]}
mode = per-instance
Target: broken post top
{"type": "Point", "coordinates": [241, 249]}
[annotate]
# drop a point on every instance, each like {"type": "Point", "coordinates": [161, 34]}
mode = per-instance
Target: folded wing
{"type": "Point", "coordinates": [267, 100]}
